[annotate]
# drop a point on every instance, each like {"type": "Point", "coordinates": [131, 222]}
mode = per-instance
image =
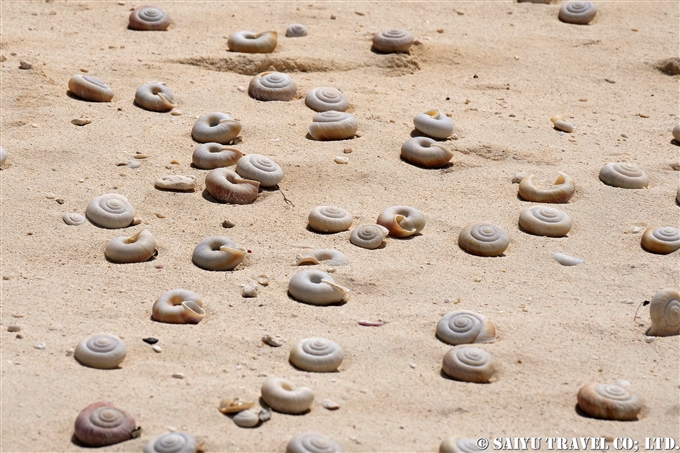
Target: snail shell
{"type": "Point", "coordinates": [74, 219]}
{"type": "Point", "coordinates": [228, 187]}
{"type": "Point", "coordinates": [676, 132]}
{"type": "Point", "coordinates": [311, 443]}
{"type": "Point", "coordinates": [561, 192]}
{"type": "Point", "coordinates": [326, 98]}
{"type": "Point", "coordinates": [425, 152]}
{"type": "Point", "coordinates": [284, 396]}
{"type": "Point", "coordinates": [454, 445]}
{"type": "Point", "coordinates": [272, 86]}
{"type": "Point", "coordinates": [579, 13]}
{"type": "Point", "coordinates": [331, 257]}
{"type": "Point", "coordinates": [401, 221]}
{"type": "Point", "coordinates": [232, 406]}
{"type": "Point", "coordinates": [155, 96]}
{"type": "Point", "coordinates": [315, 288]}
{"type": "Point", "coordinates": [217, 253]}
{"type": "Point", "coordinates": [663, 240]}
{"type": "Point", "coordinates": [467, 363]}
{"type": "Point", "coordinates": [148, 18]}
{"type": "Point", "coordinates": [624, 175]}
{"type": "Point", "coordinates": [102, 350]}
{"type": "Point", "coordinates": [332, 125]}
{"type": "Point", "coordinates": [329, 219]}
{"type": "Point", "coordinates": [175, 442]}
{"type": "Point", "coordinates": [391, 41]}
{"type": "Point", "coordinates": [101, 424]}
{"type": "Point", "coordinates": [259, 168]}
{"type": "Point", "coordinates": [249, 42]}
{"type": "Point", "coordinates": [609, 402]}
{"type": "Point", "coordinates": [214, 155]}
{"type": "Point", "coordinates": [665, 313]}
{"type": "Point", "coordinates": [215, 127]}
{"type": "Point", "coordinates": [246, 419]}
{"type": "Point", "coordinates": [434, 124]}
{"type": "Point", "coordinates": [110, 211]}
{"type": "Point", "coordinates": [296, 31]}
{"type": "Point", "coordinates": [483, 239]}
{"type": "Point", "coordinates": [132, 249]}
{"type": "Point", "coordinates": [90, 88]}
{"type": "Point", "coordinates": [545, 221]}
{"type": "Point", "coordinates": [463, 327]}
{"type": "Point", "coordinates": [178, 306]}
{"type": "Point", "coordinates": [317, 354]}
{"type": "Point", "coordinates": [369, 236]}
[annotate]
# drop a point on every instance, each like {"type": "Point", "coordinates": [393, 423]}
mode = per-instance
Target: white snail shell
{"type": "Point", "coordinates": [3, 156]}
{"type": "Point", "coordinates": [468, 363]}
{"type": "Point", "coordinates": [74, 219]}
{"type": "Point", "coordinates": [246, 419]}
{"type": "Point", "coordinates": [329, 219]}
{"type": "Point", "coordinates": [110, 211]}
{"type": "Point", "coordinates": [455, 445]}
{"type": "Point", "coordinates": [217, 253]}
{"type": "Point", "coordinates": [228, 187]}
{"type": "Point", "coordinates": [155, 96]}
{"type": "Point", "coordinates": [90, 88]}
{"type": "Point", "coordinates": [369, 236]}
{"type": "Point", "coordinates": [665, 313]}
{"type": "Point", "coordinates": [463, 327]}
{"type": "Point", "coordinates": [402, 221]}
{"type": "Point", "coordinates": [178, 306]}
{"type": "Point", "coordinates": [330, 257]}
{"type": "Point", "coordinates": [562, 190]}
{"type": "Point", "coordinates": [545, 221]}
{"type": "Point", "coordinates": [425, 152]}
{"type": "Point", "coordinates": [214, 155]}
{"type": "Point", "coordinates": [326, 98]}
{"type": "Point", "coordinates": [249, 42]}
{"type": "Point", "coordinates": [433, 123]}
{"type": "Point", "coordinates": [174, 442]}
{"type": "Point", "coordinates": [103, 351]}
{"type": "Point", "coordinates": [259, 168]}
{"type": "Point", "coordinates": [272, 86]}
{"type": "Point", "coordinates": [132, 249]}
{"type": "Point", "coordinates": [180, 183]}
{"type": "Point", "coordinates": [284, 396]}
{"type": "Point", "coordinates": [391, 41]}
{"type": "Point", "coordinates": [296, 31]}
{"type": "Point", "coordinates": [101, 424]}
{"type": "Point", "coordinates": [676, 132]}
{"type": "Point", "coordinates": [483, 239]}
{"type": "Point", "coordinates": [624, 175]}
{"type": "Point", "coordinates": [580, 13]}
{"type": "Point", "coordinates": [215, 127]}
{"type": "Point", "coordinates": [312, 443]}
{"type": "Point", "coordinates": [609, 402]}
{"type": "Point", "coordinates": [662, 240]}
{"type": "Point", "coordinates": [316, 288]}
{"type": "Point", "coordinates": [332, 125]}
{"type": "Point", "coordinates": [317, 354]}
{"type": "Point", "coordinates": [148, 18]}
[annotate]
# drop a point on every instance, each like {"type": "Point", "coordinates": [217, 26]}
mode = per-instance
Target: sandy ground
{"type": "Point", "coordinates": [500, 69]}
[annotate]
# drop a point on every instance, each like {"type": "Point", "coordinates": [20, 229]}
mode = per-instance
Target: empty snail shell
{"type": "Point", "coordinates": [148, 18]}
{"type": "Point", "coordinates": [317, 354]}
{"type": "Point", "coordinates": [468, 363]}
{"type": "Point", "coordinates": [391, 41]}
{"type": "Point", "coordinates": [663, 240]}
{"type": "Point", "coordinates": [228, 187]}
{"type": "Point", "coordinates": [246, 419]}
{"type": "Point", "coordinates": [456, 445]}
{"type": "Point", "coordinates": [433, 123]}
{"type": "Point", "coordinates": [73, 219]}
{"type": "Point", "coordinates": [463, 327]}
{"type": "Point", "coordinates": [296, 31]}
{"type": "Point", "coordinates": [545, 221]}
{"type": "Point", "coordinates": [330, 257]}
{"type": "Point", "coordinates": [609, 402]}
{"type": "Point", "coordinates": [155, 96]}
{"type": "Point", "coordinates": [676, 132]}
{"type": "Point", "coordinates": [624, 175]}
{"type": "Point", "coordinates": [332, 125]}
{"type": "Point", "coordinates": [214, 155]}
{"type": "Point", "coordinates": [316, 288]}
{"type": "Point", "coordinates": [174, 442]}
{"type": "Point", "coordinates": [132, 249]}
{"type": "Point", "coordinates": [579, 13]}
{"type": "Point", "coordinates": [326, 98]}
{"type": "Point", "coordinates": [311, 443]}
{"type": "Point", "coordinates": [3, 156]}
{"type": "Point", "coordinates": [329, 219]}
{"type": "Point", "coordinates": [110, 211]}
{"type": "Point", "coordinates": [272, 86]}
{"type": "Point", "coordinates": [217, 253]}
{"type": "Point", "coordinates": [402, 221]}
{"type": "Point", "coordinates": [215, 127]}
{"type": "Point", "coordinates": [178, 306]}
{"type": "Point", "coordinates": [259, 168]}
{"type": "Point", "coordinates": [101, 424]}
{"type": "Point", "coordinates": [425, 152]}
{"type": "Point", "coordinates": [483, 239]}
{"type": "Point", "coordinates": [103, 351]}
{"type": "Point", "coordinates": [369, 236]}
{"type": "Point", "coordinates": [249, 42]}
{"type": "Point", "coordinates": [284, 396]}
{"type": "Point", "coordinates": [180, 183]}
{"type": "Point", "coordinates": [90, 88]}
{"type": "Point", "coordinates": [665, 313]}
{"type": "Point", "coordinates": [562, 190]}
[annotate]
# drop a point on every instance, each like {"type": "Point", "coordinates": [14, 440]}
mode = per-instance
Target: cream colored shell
{"type": "Point", "coordinates": [392, 41]}
{"type": "Point", "coordinates": [246, 419]}
{"type": "Point", "coordinates": [317, 354]}
{"type": "Point", "coordinates": [662, 240]}
{"type": "Point", "coordinates": [214, 155]}
{"type": "Point", "coordinates": [326, 98]}
{"type": "Point", "coordinates": [178, 306]}
{"type": "Point", "coordinates": [456, 445]}
{"type": "Point", "coordinates": [155, 96]}
{"type": "Point", "coordinates": [329, 257]}
{"type": "Point", "coordinates": [296, 31]}
{"type": "Point", "coordinates": [217, 253]}
{"type": "Point", "coordinates": [579, 13]}
{"type": "Point", "coordinates": [545, 221]}
{"type": "Point", "coordinates": [90, 88]}
{"type": "Point", "coordinates": [329, 219]}
{"type": "Point", "coordinates": [665, 313]}
{"type": "Point", "coordinates": [483, 239]}
{"type": "Point", "coordinates": [312, 443]}
{"type": "Point", "coordinates": [402, 221]}
{"type": "Point", "coordinates": [228, 187]}
{"type": "Point", "coordinates": [433, 123]}
{"type": "Point", "coordinates": [609, 402]}
{"type": "Point", "coordinates": [173, 442]}
{"type": "Point", "coordinates": [259, 168]}
{"type": "Point", "coordinates": [110, 211]}
{"type": "Point", "coordinates": [316, 288]}
{"type": "Point", "coordinates": [468, 363]}
{"type": "Point", "coordinates": [148, 18]}
{"type": "Point", "coordinates": [332, 125]}
{"type": "Point", "coordinates": [133, 249]}
{"type": "Point", "coordinates": [463, 327]}
{"type": "Point", "coordinates": [369, 236]}
{"type": "Point", "coordinates": [676, 132]}
{"type": "Point", "coordinates": [272, 86]}
{"type": "Point", "coordinates": [425, 152]}
{"type": "Point", "coordinates": [101, 424]}
{"type": "Point", "coordinates": [73, 219]}
{"type": "Point", "coordinates": [103, 351]}
{"type": "Point", "coordinates": [562, 190]}
{"type": "Point", "coordinates": [3, 156]}
{"type": "Point", "coordinates": [284, 396]}
{"type": "Point", "coordinates": [215, 127]}
{"type": "Point", "coordinates": [624, 175]}
{"type": "Point", "coordinates": [249, 42]}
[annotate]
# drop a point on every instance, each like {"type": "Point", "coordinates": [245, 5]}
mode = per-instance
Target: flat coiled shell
{"type": "Point", "coordinates": [272, 86]}
{"type": "Point", "coordinates": [148, 18]}
{"type": "Point", "coordinates": [433, 123]}
{"type": "Point", "coordinates": [102, 350]}
{"type": "Point", "coordinates": [312, 443]}
{"type": "Point", "coordinates": [562, 190]}
{"type": "Point", "coordinates": [284, 396]}
{"type": "Point", "coordinates": [326, 98]}
{"type": "Point", "coordinates": [175, 442]}
{"type": "Point", "coordinates": [369, 236]}
{"type": "Point", "coordinates": [609, 402]}
{"type": "Point", "coordinates": [214, 155]}
{"type": "Point", "coordinates": [392, 41]}
{"type": "Point", "coordinates": [249, 42]}
{"type": "Point", "coordinates": [131, 249]}
{"type": "Point", "coordinates": [110, 211]}
{"type": "Point", "coordinates": [155, 96]}
{"type": "Point", "coordinates": [101, 424]}
{"type": "Point", "coordinates": [329, 257]}
{"type": "Point", "coordinates": [217, 253]}
{"type": "Point", "coordinates": [329, 219]}
{"type": "Point", "coordinates": [662, 240]}
{"type": "Point", "coordinates": [464, 327]}
{"type": "Point", "coordinates": [454, 445]}
{"type": "Point", "coordinates": [665, 313]}
{"type": "Point", "coordinates": [425, 152]}
{"type": "Point", "coordinates": [259, 168]}
{"type": "Point", "coordinates": [215, 127]}
{"type": "Point", "coordinates": [624, 175]}
{"type": "Point", "coordinates": [332, 125]}
{"type": "Point", "coordinates": [545, 221]}
{"type": "Point", "coordinates": [317, 355]}
{"type": "Point", "coordinates": [402, 221]}
{"type": "Point", "coordinates": [469, 364]}
{"type": "Point", "coordinates": [246, 419]}
{"type": "Point", "coordinates": [296, 31]}
{"type": "Point", "coordinates": [178, 306]}
{"type": "Point", "coordinates": [90, 88]}
{"type": "Point", "coordinates": [73, 219]}
{"type": "Point", "coordinates": [579, 13]}
{"type": "Point", "coordinates": [228, 187]}
{"type": "Point", "coordinates": [315, 288]}
{"type": "Point", "coordinates": [483, 239]}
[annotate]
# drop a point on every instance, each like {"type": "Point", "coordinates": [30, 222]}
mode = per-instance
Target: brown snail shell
{"type": "Point", "coordinates": [665, 313]}
{"type": "Point", "coordinates": [609, 402]}
{"type": "Point", "coordinates": [148, 18]}
{"type": "Point", "coordinates": [402, 221]}
{"type": "Point", "coordinates": [228, 187]}
{"type": "Point", "coordinates": [90, 88]}
{"type": "Point", "coordinates": [155, 96]}
{"type": "Point", "coordinates": [101, 424]}
{"type": "Point", "coordinates": [562, 190]}
{"type": "Point", "coordinates": [662, 240]}
{"type": "Point", "coordinates": [483, 239]}
{"type": "Point", "coordinates": [249, 42]}
{"type": "Point", "coordinates": [392, 41]}
{"type": "Point", "coordinates": [215, 127]}
{"type": "Point", "coordinates": [178, 306]}
{"type": "Point", "coordinates": [272, 86]}
{"type": "Point", "coordinates": [214, 155]}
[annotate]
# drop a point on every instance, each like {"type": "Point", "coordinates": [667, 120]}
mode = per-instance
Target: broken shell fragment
{"type": "Point", "coordinates": [179, 183]}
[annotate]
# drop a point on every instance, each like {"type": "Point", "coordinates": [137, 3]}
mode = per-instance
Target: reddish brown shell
{"type": "Point", "coordinates": [101, 424]}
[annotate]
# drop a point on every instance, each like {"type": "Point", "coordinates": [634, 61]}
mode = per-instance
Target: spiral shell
{"type": "Point", "coordinates": [676, 132]}
{"type": "Point", "coordinates": [249, 42]}
{"type": "Point", "coordinates": [609, 402]}
{"type": "Point", "coordinates": [284, 396]}
{"type": "Point", "coordinates": [402, 221]}
{"type": "Point", "coordinates": [155, 96]}
{"type": "Point", "coordinates": [483, 239]}
{"type": "Point", "coordinates": [246, 419]}
{"type": "Point", "coordinates": [326, 98]}
{"type": "Point", "coordinates": [463, 327]}
{"type": "Point", "coordinates": [90, 88]}
{"type": "Point", "coordinates": [296, 31]}
{"type": "Point", "coordinates": [215, 127]}
{"type": "Point", "coordinates": [433, 123]}
{"type": "Point", "coordinates": [101, 424]}
{"type": "Point", "coordinates": [272, 86]}
{"type": "Point", "coordinates": [369, 236]}
{"type": "Point", "coordinates": [132, 249]}
{"type": "Point", "coordinates": [178, 306]}
{"type": "Point", "coordinates": [103, 351]}
{"type": "Point", "coordinates": [311, 443]}
{"type": "Point", "coordinates": [217, 253]}
{"type": "Point", "coordinates": [579, 13]}
{"type": "Point", "coordinates": [259, 168]}
{"type": "Point", "coordinates": [329, 219]}
{"type": "Point", "coordinates": [332, 125]}
{"type": "Point", "coordinates": [214, 155]}
{"type": "Point", "coordinates": [330, 257]}
{"type": "Point", "coordinates": [467, 363]}
{"type": "Point", "coordinates": [561, 192]}
{"type": "Point", "coordinates": [316, 288]}
{"type": "Point", "coordinates": [425, 152]}
{"type": "Point", "coordinates": [148, 18]}
{"type": "Point", "coordinates": [663, 240]}
{"type": "Point", "coordinates": [545, 221]}
{"type": "Point", "coordinates": [174, 442]}
{"type": "Point", "coordinates": [73, 219]}
{"type": "Point", "coordinates": [228, 187]}
{"type": "Point", "coordinates": [624, 175]}
{"type": "Point", "coordinates": [454, 445]}
{"type": "Point", "coordinates": [317, 354]}
{"type": "Point", "coordinates": [392, 41]}
{"type": "Point", "coordinates": [110, 211]}
{"type": "Point", "coordinates": [665, 313]}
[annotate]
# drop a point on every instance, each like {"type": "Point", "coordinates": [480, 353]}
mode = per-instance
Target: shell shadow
{"type": "Point", "coordinates": [449, 378]}
{"type": "Point", "coordinates": [583, 414]}
{"type": "Point", "coordinates": [416, 133]}
{"type": "Point", "coordinates": [377, 52]}
{"type": "Point", "coordinates": [334, 304]}
{"type": "Point", "coordinates": [307, 371]}
{"type": "Point", "coordinates": [309, 137]}
{"type": "Point", "coordinates": [407, 238]}
{"type": "Point", "coordinates": [206, 196]}
{"type": "Point", "coordinates": [74, 96]}
{"type": "Point", "coordinates": [146, 110]}
{"type": "Point", "coordinates": [675, 142]}
{"type": "Point", "coordinates": [324, 233]}
{"type": "Point", "coordinates": [481, 256]}
{"type": "Point", "coordinates": [264, 405]}
{"type": "Point", "coordinates": [443, 167]}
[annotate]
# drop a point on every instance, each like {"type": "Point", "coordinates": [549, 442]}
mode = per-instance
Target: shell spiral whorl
{"type": "Point", "coordinates": [178, 306]}
{"type": "Point", "coordinates": [317, 354]}
{"type": "Point", "coordinates": [215, 127]}
{"type": "Point", "coordinates": [624, 175]}
{"type": "Point", "coordinates": [155, 96]}
{"type": "Point", "coordinates": [665, 313]}
{"type": "Point", "coordinates": [284, 396]}
{"type": "Point", "coordinates": [174, 442]}
{"type": "Point", "coordinates": [483, 239]}
{"type": "Point", "coordinates": [369, 236]}
{"type": "Point", "coordinates": [562, 190]}
{"type": "Point", "coordinates": [73, 219]}
{"type": "Point", "coordinates": [402, 221]}
{"type": "Point", "coordinates": [425, 152]}
{"type": "Point", "coordinates": [662, 240]}
{"type": "Point", "coordinates": [296, 31]}
{"type": "Point", "coordinates": [332, 125]}
{"type": "Point", "coordinates": [311, 443]}
{"type": "Point", "coordinates": [110, 211]}
{"type": "Point", "coordinates": [101, 424]}
{"type": "Point", "coordinates": [149, 18]}
{"type": "Point", "coordinates": [454, 445]}
{"type": "Point", "coordinates": [579, 13]}
{"type": "Point", "coordinates": [249, 42]}
{"type": "Point", "coordinates": [608, 401]}
{"type": "Point", "coordinates": [90, 88]}
{"type": "Point", "coordinates": [315, 288]}
{"type": "Point", "coordinates": [467, 363]}
{"type": "Point", "coordinates": [545, 221]}
{"type": "Point", "coordinates": [329, 219]}
{"type": "Point", "coordinates": [463, 327]}
{"type": "Point", "coordinates": [103, 351]}
{"type": "Point", "coordinates": [326, 98]}
{"type": "Point", "coordinates": [259, 168]}
{"type": "Point", "coordinates": [217, 253]}
{"type": "Point", "coordinates": [228, 187]}
{"type": "Point", "coordinates": [272, 86]}
{"type": "Point", "coordinates": [391, 41]}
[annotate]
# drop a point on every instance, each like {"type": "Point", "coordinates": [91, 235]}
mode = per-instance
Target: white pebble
{"type": "Point", "coordinates": [3, 156]}
{"type": "Point", "coordinates": [635, 230]}
{"type": "Point", "coordinates": [178, 375]}
{"type": "Point", "coordinates": [249, 290]}
{"type": "Point", "coordinates": [330, 405]}
{"type": "Point", "coordinates": [40, 346]}
{"type": "Point", "coordinates": [156, 348]}
{"type": "Point", "coordinates": [566, 260]}
{"type": "Point", "coordinates": [176, 182]}
{"type": "Point", "coordinates": [412, 365]}
{"type": "Point", "coordinates": [341, 160]}
{"type": "Point", "coordinates": [518, 177]}
{"type": "Point", "coordinates": [273, 341]}
{"type": "Point", "coordinates": [246, 419]}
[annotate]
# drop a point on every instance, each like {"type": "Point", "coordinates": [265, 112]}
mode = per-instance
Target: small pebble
{"type": "Point", "coordinates": [332, 16]}
{"type": "Point", "coordinates": [40, 346]}
{"type": "Point", "coordinates": [347, 150]}
{"type": "Point", "coordinates": [69, 352]}
{"type": "Point", "coordinates": [249, 290]}
{"type": "Point", "coordinates": [412, 365]}
{"type": "Point", "coordinates": [159, 215]}
{"type": "Point", "coordinates": [455, 137]}
{"type": "Point", "coordinates": [265, 414]}
{"type": "Point", "coordinates": [134, 164]}
{"type": "Point", "coordinates": [50, 196]}
{"type": "Point", "coordinates": [241, 89]}
{"type": "Point", "coordinates": [174, 162]}
{"type": "Point", "coordinates": [176, 182]}
{"type": "Point", "coordinates": [649, 340]}
{"type": "Point", "coordinates": [156, 348]}
{"type": "Point", "coordinates": [140, 156]}
{"type": "Point", "coordinates": [136, 221]}
{"type": "Point", "coordinates": [246, 419]}
{"type": "Point", "coordinates": [13, 328]}
{"type": "Point", "coordinates": [175, 112]}
{"type": "Point", "coordinates": [635, 230]}
{"type": "Point", "coordinates": [228, 224]}
{"type": "Point", "coordinates": [627, 302]}
{"type": "Point", "coordinates": [81, 121]}
{"type": "Point", "coordinates": [23, 64]}
{"type": "Point", "coordinates": [273, 341]}
{"type": "Point", "coordinates": [566, 260]}
{"type": "Point", "coordinates": [150, 340]}
{"type": "Point", "coordinates": [330, 405]}
{"type": "Point", "coordinates": [178, 375]}
{"type": "Point", "coordinates": [341, 160]}
{"type": "Point", "coordinates": [60, 201]}
{"type": "Point", "coordinates": [518, 177]}
{"type": "Point", "coordinates": [262, 280]}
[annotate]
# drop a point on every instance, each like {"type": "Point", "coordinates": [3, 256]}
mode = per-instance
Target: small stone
{"type": "Point", "coordinates": [176, 182]}
{"type": "Point", "coordinates": [330, 405]}
{"type": "Point", "coordinates": [332, 16]}
{"type": "Point", "coordinates": [518, 177]}
{"type": "Point", "coordinates": [610, 80]}
{"type": "Point", "coordinates": [249, 290]}
{"type": "Point", "coordinates": [150, 340]}
{"type": "Point", "coordinates": [649, 339]}
{"type": "Point", "coordinates": [175, 112]}
{"type": "Point", "coordinates": [178, 375]}
{"type": "Point", "coordinates": [23, 64]}
{"type": "Point", "coordinates": [134, 164]}
{"type": "Point", "coordinates": [81, 121]}
{"type": "Point", "coordinates": [460, 13]}
{"type": "Point", "coordinates": [156, 348]}
{"type": "Point", "coordinates": [174, 162]}
{"type": "Point", "coordinates": [241, 89]}
{"type": "Point", "coordinates": [3, 58]}
{"type": "Point", "coordinates": [347, 150]}
{"type": "Point", "coordinates": [159, 215]}
{"type": "Point", "coordinates": [13, 328]}
{"type": "Point", "coordinates": [50, 196]}
{"type": "Point", "coordinates": [272, 341]}
{"type": "Point", "coordinates": [140, 156]}
{"type": "Point", "coordinates": [265, 414]}
{"type": "Point", "coordinates": [60, 200]}
{"type": "Point", "coordinates": [412, 365]}
{"type": "Point", "coordinates": [262, 280]}
{"type": "Point", "coordinates": [228, 224]}
{"type": "Point", "coordinates": [40, 346]}
{"type": "Point", "coordinates": [341, 160]}
{"type": "Point", "coordinates": [627, 302]}
{"type": "Point", "coordinates": [136, 221]}
{"type": "Point", "coordinates": [455, 137]}
{"type": "Point", "coordinates": [440, 30]}
{"type": "Point", "coordinates": [635, 230]}
{"type": "Point", "coordinates": [477, 279]}
{"type": "Point", "coordinates": [359, 13]}
{"type": "Point", "coordinates": [642, 115]}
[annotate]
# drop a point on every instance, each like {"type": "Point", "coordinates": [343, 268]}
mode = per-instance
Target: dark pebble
{"type": "Point", "coordinates": [150, 340]}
